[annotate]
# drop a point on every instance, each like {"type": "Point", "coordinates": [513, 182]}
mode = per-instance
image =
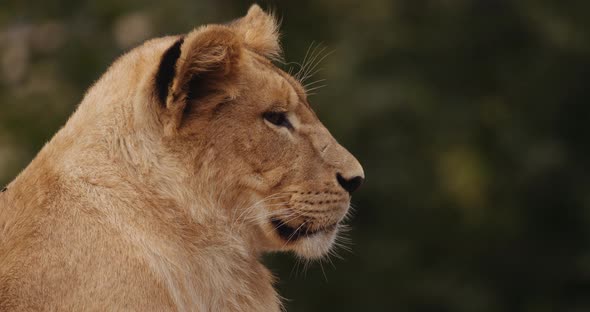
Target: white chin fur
{"type": "Point", "coordinates": [315, 246]}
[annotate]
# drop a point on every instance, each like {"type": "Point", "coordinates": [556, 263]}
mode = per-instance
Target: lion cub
{"type": "Point", "coordinates": [190, 157]}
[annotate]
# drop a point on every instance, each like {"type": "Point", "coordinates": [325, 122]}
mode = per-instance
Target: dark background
{"type": "Point", "coordinates": [471, 119]}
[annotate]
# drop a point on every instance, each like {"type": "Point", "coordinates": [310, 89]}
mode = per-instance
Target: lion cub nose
{"type": "Point", "coordinates": [350, 185]}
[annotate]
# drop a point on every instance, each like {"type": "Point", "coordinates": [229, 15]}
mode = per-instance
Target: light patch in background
{"type": "Point", "coordinates": [14, 54]}
{"type": "Point", "coordinates": [131, 29]}
{"type": "Point", "coordinates": [463, 177]}
{"type": "Point", "coordinates": [48, 37]}
{"type": "Point", "coordinates": [19, 42]}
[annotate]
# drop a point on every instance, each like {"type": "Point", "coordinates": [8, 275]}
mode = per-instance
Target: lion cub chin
{"type": "Point", "coordinates": [187, 160]}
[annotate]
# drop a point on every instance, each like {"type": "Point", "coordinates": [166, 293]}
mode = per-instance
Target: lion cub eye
{"type": "Point", "coordinates": [278, 119]}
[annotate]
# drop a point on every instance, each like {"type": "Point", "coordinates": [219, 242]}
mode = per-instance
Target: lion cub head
{"type": "Point", "coordinates": [244, 134]}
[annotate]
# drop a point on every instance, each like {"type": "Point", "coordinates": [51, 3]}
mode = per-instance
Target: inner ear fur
{"type": "Point", "coordinates": [260, 32]}
{"type": "Point", "coordinates": [209, 58]}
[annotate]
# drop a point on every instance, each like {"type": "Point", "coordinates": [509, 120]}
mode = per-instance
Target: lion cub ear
{"type": "Point", "coordinates": [260, 32]}
{"type": "Point", "coordinates": [195, 69]}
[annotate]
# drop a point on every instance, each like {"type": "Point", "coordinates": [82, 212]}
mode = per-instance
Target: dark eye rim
{"type": "Point", "coordinates": [278, 119]}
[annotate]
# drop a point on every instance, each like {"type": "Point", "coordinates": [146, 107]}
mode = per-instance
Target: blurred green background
{"type": "Point", "coordinates": [471, 119]}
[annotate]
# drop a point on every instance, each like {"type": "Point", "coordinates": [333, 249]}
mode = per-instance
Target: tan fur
{"type": "Point", "coordinates": [148, 206]}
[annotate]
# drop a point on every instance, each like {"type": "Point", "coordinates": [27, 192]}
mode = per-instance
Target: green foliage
{"type": "Point", "coordinates": [471, 119]}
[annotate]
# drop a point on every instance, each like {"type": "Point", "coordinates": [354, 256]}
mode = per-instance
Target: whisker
{"type": "Point", "coordinates": [310, 72]}
{"type": "Point", "coordinates": [295, 267]}
{"type": "Point", "coordinates": [293, 234]}
{"type": "Point", "coordinates": [309, 62]}
{"type": "Point", "coordinates": [312, 83]}
{"type": "Point", "coordinates": [323, 272]}
{"type": "Point", "coordinates": [312, 64]}
{"type": "Point", "coordinates": [302, 66]}
{"type": "Point", "coordinates": [306, 266]}
{"type": "Point", "coordinates": [262, 217]}
{"type": "Point", "coordinates": [251, 207]}
{"type": "Point", "coordinates": [328, 257]}
{"type": "Point", "coordinates": [318, 62]}
{"type": "Point", "coordinates": [316, 88]}
{"type": "Point", "coordinates": [245, 212]}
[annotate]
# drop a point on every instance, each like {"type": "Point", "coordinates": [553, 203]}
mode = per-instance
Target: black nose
{"type": "Point", "coordinates": [350, 185]}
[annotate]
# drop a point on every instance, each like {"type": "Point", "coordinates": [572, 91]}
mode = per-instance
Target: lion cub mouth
{"type": "Point", "coordinates": [289, 233]}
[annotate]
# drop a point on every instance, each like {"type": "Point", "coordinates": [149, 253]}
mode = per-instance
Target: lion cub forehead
{"type": "Point", "coordinates": [289, 93]}
{"type": "Point", "coordinates": [285, 90]}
